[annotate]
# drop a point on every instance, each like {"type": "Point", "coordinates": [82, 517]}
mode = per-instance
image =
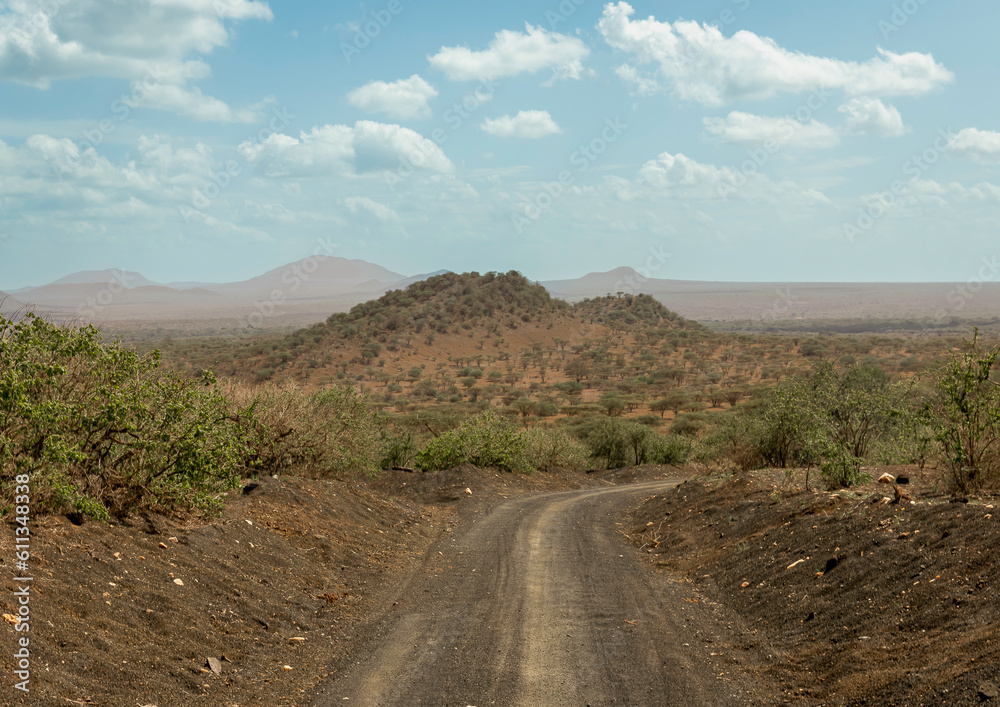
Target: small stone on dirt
{"type": "Point", "coordinates": [468, 491]}
{"type": "Point", "coordinates": [215, 665]}
{"type": "Point", "coordinates": [163, 545]}
{"type": "Point", "coordinates": [179, 582]}
{"type": "Point", "coordinates": [988, 691]}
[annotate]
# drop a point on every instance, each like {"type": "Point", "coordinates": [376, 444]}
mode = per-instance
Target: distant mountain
{"type": "Point", "coordinates": [328, 282]}
{"type": "Point", "coordinates": [318, 277]}
{"type": "Point", "coordinates": [598, 284]}
{"type": "Point", "coordinates": [124, 278]}
{"type": "Point", "coordinates": [8, 304]}
{"type": "Point", "coordinates": [374, 288]}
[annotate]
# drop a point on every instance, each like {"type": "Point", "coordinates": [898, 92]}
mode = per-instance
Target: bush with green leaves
{"type": "Point", "coordinates": [831, 418]}
{"type": "Point", "coordinates": [618, 443]}
{"type": "Point", "coordinates": [396, 449]}
{"type": "Point", "coordinates": [486, 440]}
{"type": "Point", "coordinates": [555, 449]}
{"type": "Point", "coordinates": [967, 417]}
{"type": "Point", "coordinates": [841, 469]}
{"type": "Point", "coordinates": [669, 449]}
{"type": "Point", "coordinates": [100, 431]}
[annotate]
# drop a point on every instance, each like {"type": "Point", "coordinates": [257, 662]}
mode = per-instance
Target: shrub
{"type": "Point", "coordinates": [100, 431]}
{"type": "Point", "coordinates": [688, 424]}
{"type": "Point", "coordinates": [618, 443]}
{"type": "Point", "coordinates": [546, 409]}
{"type": "Point", "coordinates": [555, 449]}
{"type": "Point", "coordinates": [669, 449]}
{"type": "Point", "coordinates": [776, 430]}
{"type": "Point", "coordinates": [832, 417]}
{"type": "Point", "coordinates": [967, 414]}
{"type": "Point", "coordinates": [487, 440]}
{"type": "Point", "coordinates": [329, 433]}
{"type": "Point", "coordinates": [396, 450]}
{"type": "Point", "coordinates": [841, 469]}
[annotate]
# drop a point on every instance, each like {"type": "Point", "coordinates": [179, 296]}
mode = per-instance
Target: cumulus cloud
{"type": "Point", "coordinates": [979, 145]}
{"type": "Point", "coordinates": [512, 53]}
{"type": "Point", "coordinates": [749, 129]}
{"type": "Point", "coordinates": [527, 124]}
{"type": "Point", "coordinates": [870, 116]}
{"type": "Point", "coordinates": [403, 99]}
{"type": "Point", "coordinates": [142, 40]}
{"type": "Point", "coordinates": [643, 85]}
{"type": "Point", "coordinates": [332, 150]}
{"type": "Point", "coordinates": [682, 177]}
{"type": "Point", "coordinates": [704, 66]}
{"type": "Point", "coordinates": [61, 186]}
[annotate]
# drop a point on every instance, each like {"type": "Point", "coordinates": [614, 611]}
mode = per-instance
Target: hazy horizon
{"type": "Point", "coordinates": [734, 141]}
{"type": "Point", "coordinates": [639, 278]}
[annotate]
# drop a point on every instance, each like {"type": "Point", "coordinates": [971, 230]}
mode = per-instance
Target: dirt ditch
{"type": "Point", "coordinates": [857, 597]}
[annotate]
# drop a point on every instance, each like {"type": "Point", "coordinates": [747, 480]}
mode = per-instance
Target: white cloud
{"type": "Point", "coordinates": [527, 124]}
{"type": "Point", "coordinates": [749, 129]}
{"type": "Point", "coordinates": [151, 41]}
{"type": "Point", "coordinates": [403, 99]}
{"type": "Point", "coordinates": [58, 187]}
{"type": "Point", "coordinates": [190, 102]}
{"type": "Point", "coordinates": [682, 177]}
{"type": "Point", "coordinates": [362, 204]}
{"type": "Point", "coordinates": [332, 150]}
{"type": "Point", "coordinates": [703, 65]}
{"type": "Point", "coordinates": [47, 168]}
{"type": "Point", "coordinates": [870, 116]}
{"type": "Point", "coordinates": [513, 53]}
{"type": "Point", "coordinates": [979, 145]}
{"type": "Point", "coordinates": [644, 85]}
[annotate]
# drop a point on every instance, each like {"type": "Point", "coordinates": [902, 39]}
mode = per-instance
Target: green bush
{"type": "Point", "coordinates": [833, 418]}
{"type": "Point", "coordinates": [618, 443]}
{"type": "Point", "coordinates": [100, 431]}
{"type": "Point", "coordinates": [396, 450]}
{"type": "Point", "coordinates": [487, 440]}
{"type": "Point", "coordinates": [841, 469]}
{"type": "Point", "coordinates": [967, 417]}
{"type": "Point", "coordinates": [555, 449]}
{"type": "Point", "coordinates": [669, 449]}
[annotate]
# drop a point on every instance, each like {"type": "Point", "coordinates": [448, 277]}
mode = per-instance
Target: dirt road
{"type": "Point", "coordinates": [540, 602]}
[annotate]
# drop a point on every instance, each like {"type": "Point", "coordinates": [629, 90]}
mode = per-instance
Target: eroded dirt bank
{"type": "Point", "coordinates": [859, 599]}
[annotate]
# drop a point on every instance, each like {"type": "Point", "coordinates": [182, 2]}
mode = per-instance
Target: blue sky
{"type": "Point", "coordinates": [212, 140]}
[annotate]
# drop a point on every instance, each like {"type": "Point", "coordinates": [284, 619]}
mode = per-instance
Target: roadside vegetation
{"type": "Point", "coordinates": [486, 370]}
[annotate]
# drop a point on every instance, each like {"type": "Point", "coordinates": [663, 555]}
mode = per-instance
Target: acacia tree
{"type": "Point", "coordinates": [577, 369]}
